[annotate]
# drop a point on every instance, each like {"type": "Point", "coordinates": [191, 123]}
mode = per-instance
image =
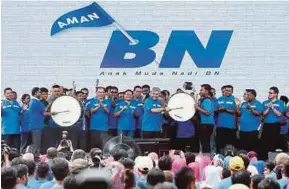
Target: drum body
{"type": "Point", "coordinates": [66, 111]}
{"type": "Point", "coordinates": [182, 107]}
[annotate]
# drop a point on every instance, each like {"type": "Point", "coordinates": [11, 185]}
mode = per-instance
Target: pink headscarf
{"type": "Point", "coordinates": [154, 156]}
{"type": "Point", "coordinates": [196, 169]}
{"type": "Point", "coordinates": [203, 161]}
{"type": "Point", "coordinates": [117, 170]}
{"type": "Point", "coordinates": [178, 163]}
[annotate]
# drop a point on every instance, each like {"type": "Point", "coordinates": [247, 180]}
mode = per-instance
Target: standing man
{"type": "Point", "coordinates": [206, 110]}
{"type": "Point", "coordinates": [283, 139]}
{"type": "Point", "coordinates": [98, 109]}
{"type": "Point", "coordinates": [127, 113]}
{"type": "Point", "coordinates": [36, 122]}
{"type": "Point", "coordinates": [112, 119]}
{"type": "Point", "coordinates": [250, 113]}
{"type": "Point", "coordinates": [226, 120]}
{"type": "Point", "coordinates": [10, 123]}
{"type": "Point", "coordinates": [273, 110]}
{"type": "Point", "coordinates": [25, 131]}
{"type": "Point", "coordinates": [137, 97]}
{"type": "Point", "coordinates": [152, 118]}
{"type": "Point", "coordinates": [85, 94]}
{"type": "Point", "coordinates": [145, 91]}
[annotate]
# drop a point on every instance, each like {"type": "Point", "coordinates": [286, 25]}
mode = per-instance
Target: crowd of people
{"type": "Point", "coordinates": [143, 112]}
{"type": "Point", "coordinates": [176, 170]}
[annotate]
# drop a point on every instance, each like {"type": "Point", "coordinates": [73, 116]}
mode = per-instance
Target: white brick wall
{"type": "Point", "coordinates": [257, 56]}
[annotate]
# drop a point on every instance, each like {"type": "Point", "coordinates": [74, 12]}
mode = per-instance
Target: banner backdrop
{"type": "Point", "coordinates": [245, 44]}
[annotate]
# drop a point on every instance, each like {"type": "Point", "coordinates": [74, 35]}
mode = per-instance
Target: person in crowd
{"type": "Point", "coordinates": [284, 123]}
{"type": "Point", "coordinates": [184, 179]}
{"type": "Point", "coordinates": [285, 175]}
{"type": "Point", "coordinates": [269, 171]}
{"type": "Point", "coordinates": [98, 109]}
{"type": "Point", "coordinates": [250, 168]}
{"type": "Point", "coordinates": [129, 179]}
{"type": "Point", "coordinates": [42, 172]}
{"type": "Point", "coordinates": [8, 178]}
{"type": "Point", "coordinates": [273, 110]}
{"type": "Point", "coordinates": [281, 158]}
{"type": "Point", "coordinates": [165, 163]}
{"type": "Point", "coordinates": [85, 93]}
{"type": "Point", "coordinates": [143, 165]}
{"type": "Point", "coordinates": [226, 119]}
{"type": "Point", "coordinates": [22, 176]}
{"type": "Point", "coordinates": [152, 118]}
{"type": "Point", "coordinates": [10, 123]}
{"type": "Point", "coordinates": [269, 183]}
{"type": "Point", "coordinates": [212, 177]}
{"type": "Point", "coordinates": [121, 95]}
{"type": "Point", "coordinates": [24, 124]}
{"type": "Point", "coordinates": [113, 120]}
{"type": "Point", "coordinates": [78, 165]}
{"type": "Point", "coordinates": [78, 154]}
{"type": "Point", "coordinates": [179, 161]}
{"type": "Point", "coordinates": [127, 163]}
{"type": "Point", "coordinates": [44, 96]}
{"type": "Point", "coordinates": [250, 119]}
{"type": "Point", "coordinates": [154, 177]}
{"type": "Point", "coordinates": [146, 89]}
{"type": "Point", "coordinates": [206, 111]}
{"type": "Point", "coordinates": [241, 177]}
{"type": "Point", "coordinates": [36, 119]}
{"type": "Point", "coordinates": [165, 185]}
{"type": "Point", "coordinates": [31, 165]}
{"type": "Point", "coordinates": [108, 92]}
{"type": "Point", "coordinates": [255, 180]}
{"type": "Point", "coordinates": [127, 113]}
{"type": "Point", "coordinates": [137, 97]}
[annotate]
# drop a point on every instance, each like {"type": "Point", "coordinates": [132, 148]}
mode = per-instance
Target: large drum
{"type": "Point", "coordinates": [182, 107]}
{"type": "Point", "coordinates": [66, 111]}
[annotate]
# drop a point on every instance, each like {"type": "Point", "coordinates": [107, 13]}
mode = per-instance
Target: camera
{"type": "Point", "coordinates": [188, 86]}
{"type": "Point", "coordinates": [5, 149]}
{"type": "Point", "coordinates": [64, 142]}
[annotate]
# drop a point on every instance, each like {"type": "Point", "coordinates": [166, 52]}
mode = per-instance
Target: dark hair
{"type": "Point", "coordinates": [241, 177]}
{"type": "Point", "coordinates": [278, 171]}
{"type": "Point", "coordinates": [34, 90]}
{"type": "Point", "coordinates": [129, 179]}
{"type": "Point", "coordinates": [245, 160]}
{"type": "Point", "coordinates": [285, 169]}
{"type": "Point", "coordinates": [44, 90]}
{"type": "Point", "coordinates": [208, 88]}
{"type": "Point", "coordinates": [51, 152]}
{"type": "Point", "coordinates": [7, 89]}
{"type": "Point", "coordinates": [13, 153]}
{"type": "Point", "coordinates": [8, 178]}
{"type": "Point", "coordinates": [78, 92]}
{"type": "Point", "coordinates": [60, 168]}
{"type": "Point", "coordinates": [230, 86]}
{"type": "Point", "coordinates": [78, 154]}
{"type": "Point", "coordinates": [127, 163]}
{"type": "Point", "coordinates": [166, 91]}
{"type": "Point", "coordinates": [21, 170]}
{"type": "Point", "coordinates": [118, 154]}
{"type": "Point", "coordinates": [17, 161]}
{"type": "Point", "coordinates": [114, 87]}
{"type": "Point", "coordinates": [268, 183]}
{"type": "Point", "coordinates": [55, 86]}
{"type": "Point", "coordinates": [163, 93]}
{"type": "Point", "coordinates": [31, 167]}
{"type": "Point", "coordinates": [84, 89]}
{"type": "Point", "coordinates": [24, 96]}
{"type": "Point", "coordinates": [128, 90]}
{"type": "Point", "coordinates": [165, 163]}
{"type": "Point", "coordinates": [223, 87]}
{"type": "Point", "coordinates": [226, 173]}
{"type": "Point", "coordinates": [270, 166]}
{"type": "Point", "coordinates": [275, 89]}
{"type": "Point", "coordinates": [155, 176]}
{"type": "Point", "coordinates": [256, 179]}
{"type": "Point", "coordinates": [108, 88]}
{"type": "Point", "coordinates": [95, 151]}
{"type": "Point", "coordinates": [252, 91]}
{"type": "Point", "coordinates": [284, 99]}
{"type": "Point", "coordinates": [135, 87]}
{"type": "Point", "coordinates": [70, 182]}
{"type": "Point", "coordinates": [97, 88]}
{"type": "Point", "coordinates": [42, 170]}
{"type": "Point", "coordinates": [184, 177]}
{"type": "Point", "coordinates": [146, 86]}
{"type": "Point", "coordinates": [165, 185]}
{"type": "Point", "coordinates": [190, 157]}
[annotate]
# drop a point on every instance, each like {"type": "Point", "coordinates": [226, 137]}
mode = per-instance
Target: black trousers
{"type": "Point", "coordinates": [112, 132]}
{"type": "Point", "coordinates": [248, 140]}
{"type": "Point", "coordinates": [137, 133]}
{"type": "Point", "coordinates": [182, 143]}
{"type": "Point", "coordinates": [78, 139]}
{"type": "Point", "coordinates": [283, 142]}
{"type": "Point", "coordinates": [205, 132]}
{"type": "Point", "coordinates": [37, 141]}
{"type": "Point", "coordinates": [12, 140]}
{"type": "Point", "coordinates": [150, 134]}
{"type": "Point", "coordinates": [270, 137]}
{"type": "Point", "coordinates": [224, 137]}
{"type": "Point", "coordinates": [97, 139]}
{"type": "Point", "coordinates": [26, 140]}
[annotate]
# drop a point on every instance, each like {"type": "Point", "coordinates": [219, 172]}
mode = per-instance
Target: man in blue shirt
{"type": "Point", "coordinates": [250, 113]}
{"type": "Point", "coordinates": [206, 111]}
{"type": "Point", "coordinates": [127, 112]}
{"type": "Point", "coordinates": [273, 110]}
{"type": "Point", "coordinates": [22, 176]}
{"type": "Point", "coordinates": [25, 131]}
{"type": "Point", "coordinates": [98, 109]}
{"type": "Point", "coordinates": [112, 120]}
{"type": "Point", "coordinates": [226, 120]}
{"type": "Point", "coordinates": [10, 123]}
{"type": "Point", "coordinates": [41, 176]}
{"type": "Point", "coordinates": [284, 123]}
{"type": "Point", "coordinates": [152, 118]}
{"type": "Point", "coordinates": [285, 175]}
{"type": "Point", "coordinates": [137, 97]}
{"type": "Point", "coordinates": [37, 114]}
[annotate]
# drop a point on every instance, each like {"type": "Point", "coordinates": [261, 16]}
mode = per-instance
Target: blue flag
{"type": "Point", "coordinates": [91, 16]}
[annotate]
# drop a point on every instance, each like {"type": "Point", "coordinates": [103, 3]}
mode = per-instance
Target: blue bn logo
{"type": "Point", "coordinates": [179, 42]}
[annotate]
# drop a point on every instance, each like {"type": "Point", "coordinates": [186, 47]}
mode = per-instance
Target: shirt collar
{"type": "Point", "coordinates": [34, 98]}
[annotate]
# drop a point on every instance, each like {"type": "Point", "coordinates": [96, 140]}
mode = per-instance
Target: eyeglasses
{"type": "Point", "coordinates": [113, 91]}
{"type": "Point", "coordinates": [85, 93]}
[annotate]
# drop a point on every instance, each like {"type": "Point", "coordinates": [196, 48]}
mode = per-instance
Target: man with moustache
{"type": "Point", "coordinates": [137, 97]}
{"type": "Point", "coordinates": [112, 120]}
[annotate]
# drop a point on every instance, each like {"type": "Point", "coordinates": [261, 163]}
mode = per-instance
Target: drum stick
{"type": "Point", "coordinates": [178, 108]}
{"type": "Point", "coordinates": [64, 111]}
{"type": "Point", "coordinates": [178, 116]}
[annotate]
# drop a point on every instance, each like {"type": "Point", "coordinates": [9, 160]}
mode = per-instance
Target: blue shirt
{"type": "Point", "coordinates": [52, 124]}
{"type": "Point", "coordinates": [140, 111]}
{"type": "Point", "coordinates": [225, 184]}
{"type": "Point", "coordinates": [99, 120]}
{"type": "Point", "coordinates": [272, 175]}
{"type": "Point", "coordinates": [151, 120]}
{"type": "Point", "coordinates": [34, 183]}
{"type": "Point", "coordinates": [126, 120]}
{"type": "Point", "coordinates": [25, 121]}
{"type": "Point", "coordinates": [112, 120]}
{"type": "Point", "coordinates": [21, 186]}
{"type": "Point", "coordinates": [36, 114]}
{"type": "Point", "coordinates": [185, 129]}
{"type": "Point", "coordinates": [284, 129]}
{"type": "Point", "coordinates": [143, 181]}
{"type": "Point", "coordinates": [282, 182]}
{"type": "Point", "coordinates": [248, 121]}
{"type": "Point", "coordinates": [271, 117]}
{"type": "Point", "coordinates": [48, 184]}
{"type": "Point", "coordinates": [208, 105]}
{"type": "Point", "coordinates": [10, 112]}
{"type": "Point", "coordinates": [225, 119]}
{"type": "Point", "coordinates": [80, 124]}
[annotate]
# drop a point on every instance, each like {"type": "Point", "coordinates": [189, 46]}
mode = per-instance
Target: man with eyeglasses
{"type": "Point", "coordinates": [137, 97]}
{"type": "Point", "coordinates": [112, 120]}
{"type": "Point", "coordinates": [98, 109]}
{"type": "Point", "coordinates": [274, 109]}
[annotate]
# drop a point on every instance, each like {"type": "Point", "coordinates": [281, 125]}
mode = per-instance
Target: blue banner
{"type": "Point", "coordinates": [90, 16]}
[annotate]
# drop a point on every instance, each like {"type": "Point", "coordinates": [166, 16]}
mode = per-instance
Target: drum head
{"type": "Point", "coordinates": [183, 107]}
{"type": "Point", "coordinates": [67, 109]}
